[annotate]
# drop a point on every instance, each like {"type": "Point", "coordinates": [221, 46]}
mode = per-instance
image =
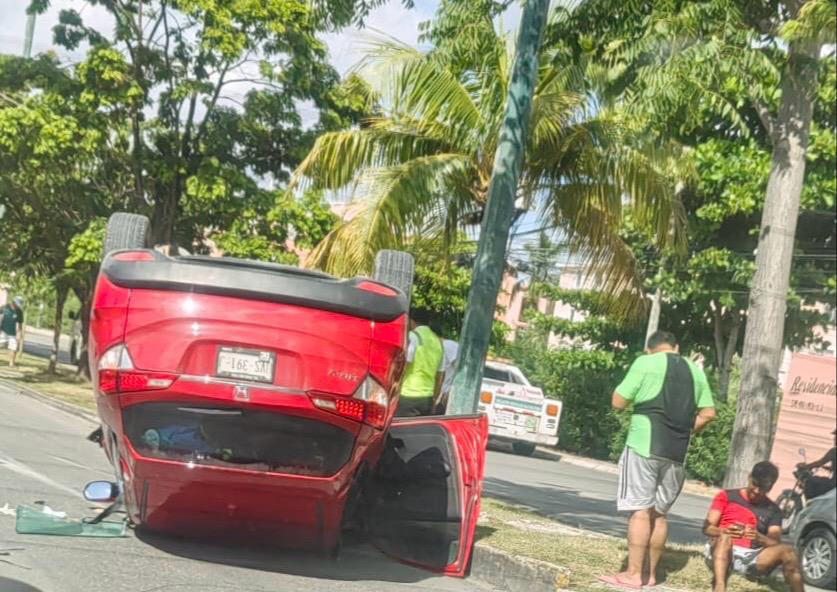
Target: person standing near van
{"type": "Point", "coordinates": [670, 400]}
{"type": "Point", "coordinates": [423, 377]}
{"type": "Point", "coordinates": [451, 353]}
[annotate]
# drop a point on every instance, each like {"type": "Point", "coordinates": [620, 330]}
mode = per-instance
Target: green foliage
{"type": "Point", "coordinates": [583, 379]}
{"type": "Point", "coordinates": [200, 151]}
{"type": "Point", "coordinates": [709, 450]}
{"type": "Point", "coordinates": [817, 19]}
{"type": "Point", "coordinates": [85, 250]}
{"type": "Point", "coordinates": [583, 370]}
{"type": "Point", "coordinates": [265, 232]}
{"type": "Point", "coordinates": [441, 292]}
{"type": "Point", "coordinates": [422, 164]}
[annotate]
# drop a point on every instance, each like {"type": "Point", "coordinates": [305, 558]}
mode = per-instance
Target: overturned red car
{"type": "Point", "coordinates": [251, 400]}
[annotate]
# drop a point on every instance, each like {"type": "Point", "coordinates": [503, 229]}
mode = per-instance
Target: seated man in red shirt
{"type": "Point", "coordinates": [745, 531]}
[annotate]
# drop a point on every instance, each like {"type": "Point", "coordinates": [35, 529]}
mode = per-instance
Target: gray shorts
{"type": "Point", "coordinates": [8, 341]}
{"type": "Point", "coordinates": [646, 483]}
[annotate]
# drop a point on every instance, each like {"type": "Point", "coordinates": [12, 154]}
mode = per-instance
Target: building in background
{"type": "Point", "coordinates": [514, 301]}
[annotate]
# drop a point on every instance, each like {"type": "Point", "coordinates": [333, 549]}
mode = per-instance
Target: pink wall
{"type": "Point", "coordinates": [807, 416]}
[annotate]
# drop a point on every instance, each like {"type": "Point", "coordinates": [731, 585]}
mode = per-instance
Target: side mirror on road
{"type": "Point", "coordinates": [101, 491]}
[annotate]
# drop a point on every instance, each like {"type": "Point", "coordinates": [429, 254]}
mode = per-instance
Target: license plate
{"type": "Point", "coordinates": [245, 364]}
{"type": "Point", "coordinates": [505, 417]}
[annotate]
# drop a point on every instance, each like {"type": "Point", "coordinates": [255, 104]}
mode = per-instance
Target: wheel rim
{"type": "Point", "coordinates": [816, 558]}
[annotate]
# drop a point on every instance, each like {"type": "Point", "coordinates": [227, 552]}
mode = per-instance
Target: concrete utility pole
{"type": "Point", "coordinates": [499, 211]}
{"type": "Point", "coordinates": [30, 34]}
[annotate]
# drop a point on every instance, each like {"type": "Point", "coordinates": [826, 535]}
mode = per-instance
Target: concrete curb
{"type": "Point", "coordinates": [692, 487]}
{"type": "Point", "coordinates": [51, 401]}
{"type": "Point", "coordinates": [510, 573]}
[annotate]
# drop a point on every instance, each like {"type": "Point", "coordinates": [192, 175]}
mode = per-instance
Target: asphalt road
{"type": "Point", "coordinates": [44, 456]}
{"type": "Point", "coordinates": [41, 345]}
{"type": "Point", "coordinates": [578, 496]}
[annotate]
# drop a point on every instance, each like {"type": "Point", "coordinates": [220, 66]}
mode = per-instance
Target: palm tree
{"type": "Point", "coordinates": [420, 167]}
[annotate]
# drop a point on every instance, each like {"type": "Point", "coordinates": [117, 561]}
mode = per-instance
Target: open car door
{"type": "Point", "coordinates": [423, 501]}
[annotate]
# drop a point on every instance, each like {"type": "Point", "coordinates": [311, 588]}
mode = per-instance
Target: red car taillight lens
{"type": "Point", "coordinates": [350, 408]}
{"type": "Point", "coordinates": [369, 404]}
{"type": "Point", "coordinates": [118, 375]}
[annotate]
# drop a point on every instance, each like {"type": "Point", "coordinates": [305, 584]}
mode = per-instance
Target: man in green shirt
{"type": "Point", "coordinates": [670, 400]}
{"type": "Point", "coordinates": [425, 370]}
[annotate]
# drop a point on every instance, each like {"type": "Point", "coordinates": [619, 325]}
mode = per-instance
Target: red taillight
{"type": "Point", "coordinates": [144, 381]}
{"type": "Point", "coordinates": [376, 415]}
{"type": "Point", "coordinates": [134, 256]}
{"type": "Point", "coordinates": [369, 404]}
{"type": "Point", "coordinates": [376, 289]}
{"type": "Point", "coordinates": [108, 381]}
{"type": "Point", "coordinates": [351, 408]}
{"type": "Point", "coordinates": [118, 375]}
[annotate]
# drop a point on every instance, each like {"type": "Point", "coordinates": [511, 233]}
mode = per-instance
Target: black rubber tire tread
{"type": "Point", "coordinates": [126, 231]}
{"type": "Point", "coordinates": [396, 269]}
{"type": "Point", "coordinates": [828, 580]}
{"type": "Point", "coordinates": [523, 448]}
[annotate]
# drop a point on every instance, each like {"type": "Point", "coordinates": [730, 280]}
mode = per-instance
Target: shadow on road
{"type": "Point", "coordinates": [574, 508]}
{"type": "Point", "coordinates": [356, 562]}
{"type": "Point", "coordinates": [9, 585]}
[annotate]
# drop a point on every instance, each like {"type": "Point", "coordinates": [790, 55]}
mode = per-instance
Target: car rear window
{"type": "Point", "coordinates": [241, 438]}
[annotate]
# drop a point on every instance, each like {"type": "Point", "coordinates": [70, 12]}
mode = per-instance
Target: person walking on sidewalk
{"type": "Point", "coordinates": [425, 370]}
{"type": "Point", "coordinates": [11, 325]}
{"type": "Point", "coordinates": [670, 400]}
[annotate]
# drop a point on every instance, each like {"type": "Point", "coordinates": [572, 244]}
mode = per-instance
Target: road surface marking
{"type": "Point", "coordinates": [22, 469]}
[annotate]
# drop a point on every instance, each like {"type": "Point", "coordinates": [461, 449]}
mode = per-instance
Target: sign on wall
{"type": "Point", "coordinates": [807, 416]}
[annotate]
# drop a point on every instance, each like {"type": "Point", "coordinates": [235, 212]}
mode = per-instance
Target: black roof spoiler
{"type": "Point", "coordinates": [254, 280]}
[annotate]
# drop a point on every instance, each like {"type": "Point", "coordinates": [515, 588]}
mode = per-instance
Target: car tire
{"type": "Point", "coordinates": [523, 448]}
{"type": "Point", "coordinates": [396, 269]}
{"type": "Point", "coordinates": [126, 231]}
{"type": "Point", "coordinates": [818, 557]}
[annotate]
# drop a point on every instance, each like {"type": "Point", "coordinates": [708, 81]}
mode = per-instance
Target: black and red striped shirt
{"type": "Point", "coordinates": [735, 508]}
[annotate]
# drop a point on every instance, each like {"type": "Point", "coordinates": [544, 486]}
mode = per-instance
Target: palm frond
{"type": "Point", "coordinates": [415, 85]}
{"type": "Point", "coordinates": [337, 158]}
{"type": "Point", "coordinates": [593, 234]}
{"type": "Point", "coordinates": [422, 197]}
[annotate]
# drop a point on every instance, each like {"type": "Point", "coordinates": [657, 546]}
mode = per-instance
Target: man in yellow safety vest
{"type": "Point", "coordinates": [425, 370]}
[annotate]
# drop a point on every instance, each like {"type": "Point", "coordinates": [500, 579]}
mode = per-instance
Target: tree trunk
{"type": "Point", "coordinates": [725, 349]}
{"type": "Point", "coordinates": [752, 435]}
{"type": "Point", "coordinates": [61, 291]}
{"type": "Point", "coordinates": [85, 296]}
{"type": "Point", "coordinates": [165, 214]}
{"type": "Point", "coordinates": [654, 317]}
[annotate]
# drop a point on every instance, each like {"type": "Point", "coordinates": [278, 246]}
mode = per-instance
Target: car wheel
{"type": "Point", "coordinates": [126, 231]}
{"type": "Point", "coordinates": [819, 552]}
{"type": "Point", "coordinates": [396, 269]}
{"type": "Point", "coordinates": [523, 448]}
